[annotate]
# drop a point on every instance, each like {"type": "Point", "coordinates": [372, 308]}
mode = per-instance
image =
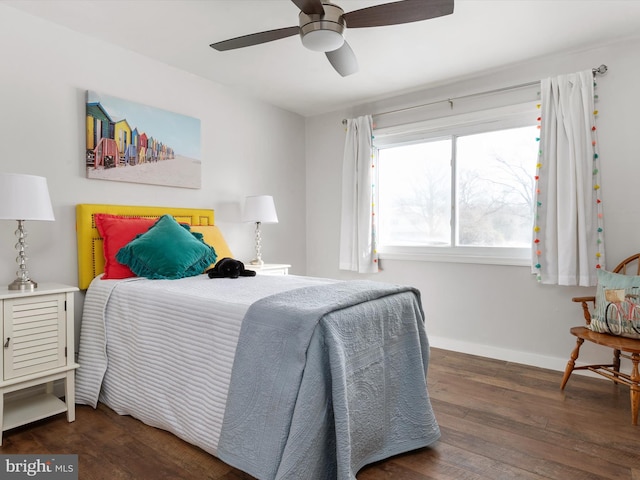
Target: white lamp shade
{"type": "Point", "coordinates": [259, 208]}
{"type": "Point", "coordinates": [24, 197]}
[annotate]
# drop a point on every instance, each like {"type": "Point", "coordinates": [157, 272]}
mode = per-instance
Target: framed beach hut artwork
{"type": "Point", "coordinates": [132, 142]}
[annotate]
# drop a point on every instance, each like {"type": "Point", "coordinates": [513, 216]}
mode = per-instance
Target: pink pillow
{"type": "Point", "coordinates": [116, 232]}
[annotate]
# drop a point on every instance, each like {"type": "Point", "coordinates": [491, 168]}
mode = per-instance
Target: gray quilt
{"type": "Point", "coordinates": [327, 379]}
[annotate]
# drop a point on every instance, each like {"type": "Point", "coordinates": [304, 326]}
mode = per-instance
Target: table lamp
{"type": "Point", "coordinates": [24, 197]}
{"type": "Point", "coordinates": [259, 209]}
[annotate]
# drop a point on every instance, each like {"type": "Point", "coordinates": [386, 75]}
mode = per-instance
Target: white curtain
{"type": "Point", "coordinates": [357, 233]}
{"type": "Point", "coordinates": [568, 235]}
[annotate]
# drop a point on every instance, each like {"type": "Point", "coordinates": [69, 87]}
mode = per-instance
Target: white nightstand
{"type": "Point", "coordinates": [269, 268]}
{"type": "Point", "coordinates": [38, 348]}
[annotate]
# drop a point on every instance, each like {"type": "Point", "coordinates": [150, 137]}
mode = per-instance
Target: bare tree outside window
{"type": "Point", "coordinates": [416, 181]}
{"type": "Point", "coordinates": [495, 188]}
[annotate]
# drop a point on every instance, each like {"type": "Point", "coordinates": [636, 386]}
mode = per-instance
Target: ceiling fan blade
{"type": "Point", "coordinates": [343, 60]}
{"type": "Point", "coordinates": [398, 12]}
{"type": "Point", "coordinates": [255, 38]}
{"type": "Point", "coordinates": [310, 6]}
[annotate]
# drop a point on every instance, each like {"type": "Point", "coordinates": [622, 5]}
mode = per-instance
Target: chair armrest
{"type": "Point", "coordinates": [585, 307]}
{"type": "Point", "coordinates": [584, 299]}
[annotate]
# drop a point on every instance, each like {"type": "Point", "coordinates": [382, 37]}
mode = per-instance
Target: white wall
{"type": "Point", "coordinates": [496, 311]}
{"type": "Point", "coordinates": [248, 147]}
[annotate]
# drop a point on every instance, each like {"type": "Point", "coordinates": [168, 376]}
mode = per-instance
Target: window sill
{"type": "Point", "coordinates": [457, 258]}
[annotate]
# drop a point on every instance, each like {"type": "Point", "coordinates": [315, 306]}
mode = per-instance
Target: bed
{"type": "Point", "coordinates": [283, 377]}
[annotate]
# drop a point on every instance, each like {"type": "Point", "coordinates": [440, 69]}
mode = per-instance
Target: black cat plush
{"type": "Point", "coordinates": [229, 268]}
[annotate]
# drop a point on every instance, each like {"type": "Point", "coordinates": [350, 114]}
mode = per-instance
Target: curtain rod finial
{"type": "Point", "coordinates": [602, 69]}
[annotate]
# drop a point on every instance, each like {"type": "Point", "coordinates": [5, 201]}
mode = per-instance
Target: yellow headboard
{"type": "Point", "coordinates": [90, 255]}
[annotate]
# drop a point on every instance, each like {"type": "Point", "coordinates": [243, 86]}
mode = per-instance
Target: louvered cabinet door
{"type": "Point", "coordinates": [34, 334]}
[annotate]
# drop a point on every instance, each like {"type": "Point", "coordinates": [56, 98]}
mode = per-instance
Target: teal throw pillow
{"type": "Point", "coordinates": [168, 250]}
{"type": "Point", "coordinates": [617, 305]}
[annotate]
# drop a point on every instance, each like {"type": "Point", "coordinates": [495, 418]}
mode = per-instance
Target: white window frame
{"type": "Point", "coordinates": [514, 116]}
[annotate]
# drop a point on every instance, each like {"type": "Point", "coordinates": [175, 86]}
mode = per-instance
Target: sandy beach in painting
{"type": "Point", "coordinates": [179, 172]}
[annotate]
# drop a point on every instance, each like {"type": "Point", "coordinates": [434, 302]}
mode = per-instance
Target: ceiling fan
{"type": "Point", "coordinates": [322, 26]}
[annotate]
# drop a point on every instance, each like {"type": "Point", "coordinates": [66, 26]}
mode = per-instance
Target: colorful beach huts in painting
{"type": "Point", "coordinates": [164, 147]}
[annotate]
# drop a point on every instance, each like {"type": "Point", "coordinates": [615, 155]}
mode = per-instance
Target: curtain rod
{"type": "Point", "coordinates": [601, 70]}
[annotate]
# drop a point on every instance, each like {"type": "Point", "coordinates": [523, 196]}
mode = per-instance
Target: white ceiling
{"type": "Point", "coordinates": [480, 35]}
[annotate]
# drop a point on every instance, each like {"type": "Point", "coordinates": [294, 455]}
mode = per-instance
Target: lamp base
{"type": "Point", "coordinates": [256, 261]}
{"type": "Point", "coordinates": [23, 285]}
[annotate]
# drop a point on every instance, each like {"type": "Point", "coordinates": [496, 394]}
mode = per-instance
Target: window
{"type": "Point", "coordinates": [460, 188]}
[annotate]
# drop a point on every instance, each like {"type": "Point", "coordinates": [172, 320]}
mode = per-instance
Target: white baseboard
{"type": "Point", "coordinates": [515, 356]}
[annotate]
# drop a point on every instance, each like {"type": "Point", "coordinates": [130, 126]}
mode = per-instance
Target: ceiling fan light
{"type": "Point", "coordinates": [323, 33]}
{"type": "Point", "coordinates": [323, 40]}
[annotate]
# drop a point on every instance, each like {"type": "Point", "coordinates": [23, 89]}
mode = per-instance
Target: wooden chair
{"type": "Point", "coordinates": [624, 347]}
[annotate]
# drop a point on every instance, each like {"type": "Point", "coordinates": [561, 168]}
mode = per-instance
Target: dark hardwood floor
{"type": "Point", "coordinates": [499, 420]}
